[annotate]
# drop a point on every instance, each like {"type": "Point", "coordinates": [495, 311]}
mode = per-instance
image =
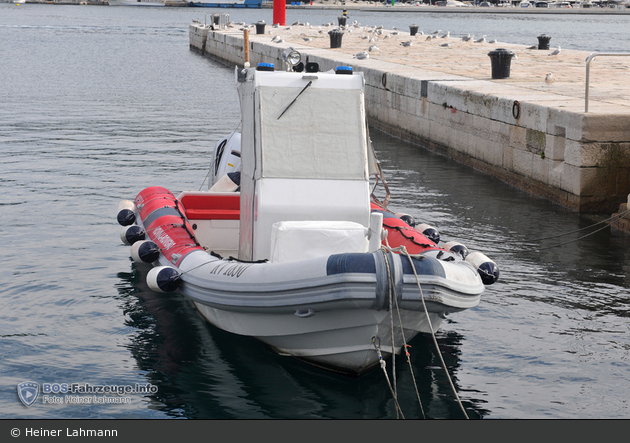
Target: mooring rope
{"type": "Point", "coordinates": [390, 285]}
{"type": "Point", "coordinates": [615, 216]}
{"type": "Point", "coordinates": [426, 312]}
{"type": "Point", "coordinates": [408, 355]}
{"type": "Point", "coordinates": [383, 367]}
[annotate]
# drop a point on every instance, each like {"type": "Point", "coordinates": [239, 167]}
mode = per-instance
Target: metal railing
{"type": "Point", "coordinates": [588, 67]}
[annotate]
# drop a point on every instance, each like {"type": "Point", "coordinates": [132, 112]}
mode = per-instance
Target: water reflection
{"type": "Point", "coordinates": [206, 373]}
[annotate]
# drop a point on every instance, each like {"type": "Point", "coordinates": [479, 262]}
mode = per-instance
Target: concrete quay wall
{"type": "Point", "coordinates": [578, 160]}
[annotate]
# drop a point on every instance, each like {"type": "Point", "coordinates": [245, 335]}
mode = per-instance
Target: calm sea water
{"type": "Point", "coordinates": [97, 103]}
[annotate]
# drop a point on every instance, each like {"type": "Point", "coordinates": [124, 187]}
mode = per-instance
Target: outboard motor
{"type": "Point", "coordinates": [226, 157]}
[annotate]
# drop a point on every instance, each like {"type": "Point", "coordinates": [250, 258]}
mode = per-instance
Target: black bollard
{"type": "Point", "coordinates": [543, 41]}
{"type": "Point", "coordinates": [335, 38]}
{"type": "Point", "coordinates": [260, 27]}
{"type": "Point", "coordinates": [413, 29]}
{"type": "Point", "coordinates": [342, 20]}
{"type": "Point", "coordinates": [501, 60]}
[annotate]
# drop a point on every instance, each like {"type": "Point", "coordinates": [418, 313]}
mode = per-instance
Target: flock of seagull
{"type": "Point", "coordinates": [373, 34]}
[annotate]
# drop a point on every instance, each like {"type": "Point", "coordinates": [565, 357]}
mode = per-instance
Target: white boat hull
{"type": "Point", "coordinates": [336, 320]}
{"type": "Point", "coordinates": [344, 341]}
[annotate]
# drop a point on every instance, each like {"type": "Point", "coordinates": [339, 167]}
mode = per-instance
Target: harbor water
{"type": "Point", "coordinates": [97, 103]}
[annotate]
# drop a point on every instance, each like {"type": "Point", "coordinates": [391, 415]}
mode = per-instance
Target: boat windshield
{"type": "Point", "coordinates": [322, 134]}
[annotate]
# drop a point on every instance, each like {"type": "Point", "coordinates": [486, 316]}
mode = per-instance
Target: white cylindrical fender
{"type": "Point", "coordinates": [145, 251]}
{"type": "Point", "coordinates": [457, 248]}
{"type": "Point", "coordinates": [163, 279]}
{"type": "Point", "coordinates": [487, 269]}
{"type": "Point", "coordinates": [131, 234]}
{"type": "Point", "coordinates": [429, 232]}
{"type": "Point", "coordinates": [406, 218]}
{"type": "Point", "coordinates": [126, 213]}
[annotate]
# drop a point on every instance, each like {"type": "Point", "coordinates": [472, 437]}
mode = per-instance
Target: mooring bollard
{"type": "Point", "coordinates": [501, 60]}
{"type": "Point", "coordinates": [342, 20]}
{"type": "Point", "coordinates": [543, 41]}
{"type": "Point", "coordinates": [260, 27]}
{"type": "Point", "coordinates": [335, 38]}
{"type": "Point", "coordinates": [413, 29]}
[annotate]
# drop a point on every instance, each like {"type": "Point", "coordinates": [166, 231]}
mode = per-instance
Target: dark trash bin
{"type": "Point", "coordinates": [501, 60]}
{"type": "Point", "coordinates": [335, 38]}
{"type": "Point", "coordinates": [342, 20]}
{"type": "Point", "coordinates": [413, 29]}
{"type": "Point", "coordinates": [543, 41]}
{"type": "Point", "coordinates": [260, 27]}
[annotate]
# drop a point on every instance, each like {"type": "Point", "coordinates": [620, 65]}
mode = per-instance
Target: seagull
{"type": "Point", "coordinates": [467, 38]}
{"type": "Point", "coordinates": [276, 38]}
{"type": "Point", "coordinates": [307, 39]}
{"type": "Point", "coordinates": [549, 79]}
{"type": "Point", "coordinates": [493, 41]}
{"type": "Point", "coordinates": [407, 43]}
{"type": "Point", "coordinates": [532, 47]}
{"type": "Point", "coordinates": [436, 32]}
{"type": "Point", "coordinates": [445, 45]}
{"type": "Point", "coordinates": [481, 40]}
{"type": "Point", "coordinates": [373, 48]}
{"type": "Point", "coordinates": [446, 35]}
{"type": "Point", "coordinates": [556, 52]}
{"type": "Point", "coordinates": [362, 55]}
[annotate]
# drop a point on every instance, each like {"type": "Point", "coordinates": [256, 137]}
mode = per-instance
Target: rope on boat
{"type": "Point", "coordinates": [403, 250]}
{"type": "Point", "coordinates": [616, 217]}
{"type": "Point", "coordinates": [383, 367]}
{"type": "Point", "coordinates": [613, 219]}
{"type": "Point", "coordinates": [408, 355]}
{"type": "Point", "coordinates": [393, 301]}
{"type": "Point", "coordinates": [390, 290]}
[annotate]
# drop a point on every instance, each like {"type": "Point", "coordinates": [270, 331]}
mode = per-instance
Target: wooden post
{"type": "Point", "coordinates": [246, 46]}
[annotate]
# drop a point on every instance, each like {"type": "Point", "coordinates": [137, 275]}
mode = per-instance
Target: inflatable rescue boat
{"type": "Point", "coordinates": [289, 245]}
